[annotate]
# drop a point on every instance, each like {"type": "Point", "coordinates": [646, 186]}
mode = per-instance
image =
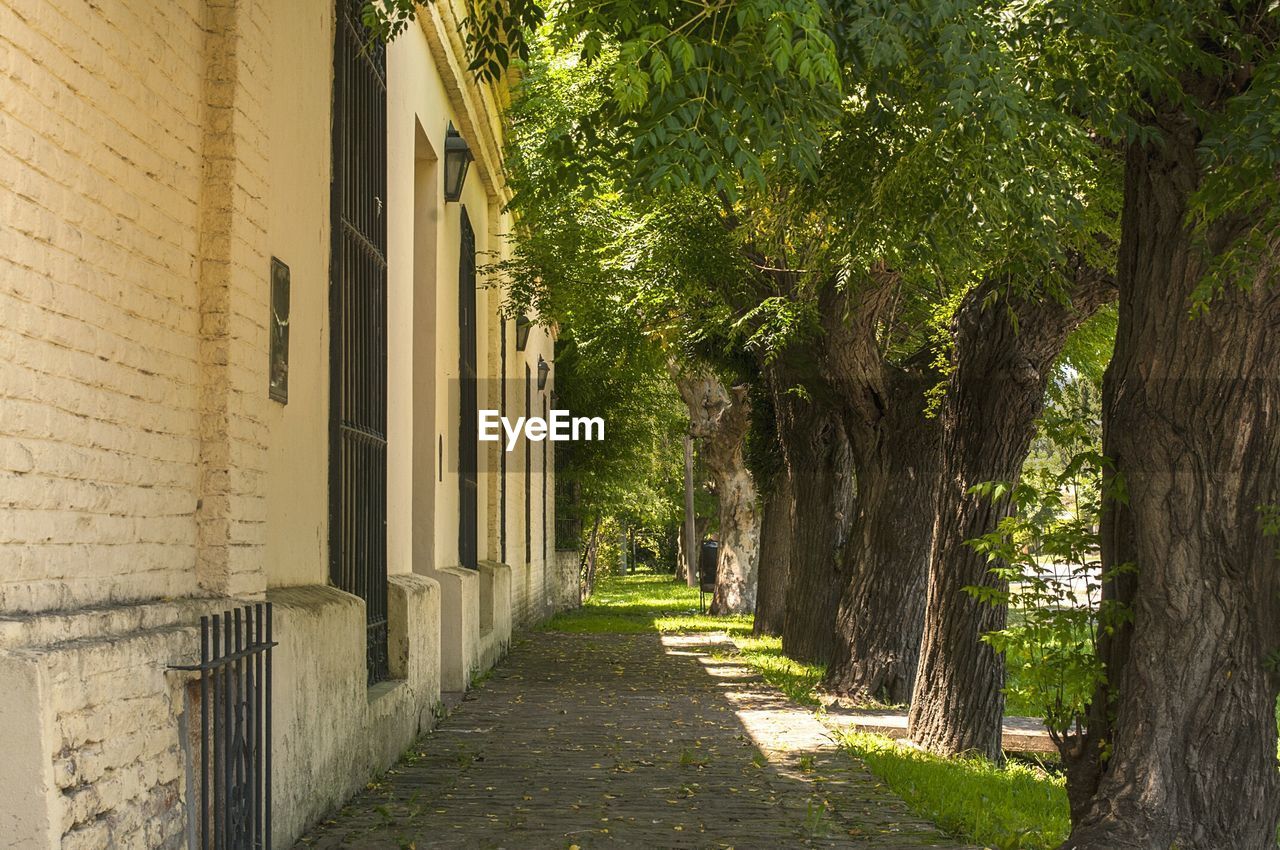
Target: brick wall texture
{"type": "Point", "coordinates": [131, 307]}
{"type": "Point", "coordinates": [119, 763]}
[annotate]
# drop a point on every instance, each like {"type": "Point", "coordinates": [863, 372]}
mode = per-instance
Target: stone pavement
{"type": "Point", "coordinates": [581, 740]}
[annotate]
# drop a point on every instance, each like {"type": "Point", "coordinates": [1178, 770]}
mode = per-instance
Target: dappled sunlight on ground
{"type": "Point", "coordinates": [1026, 807]}
{"type": "Point", "coordinates": [627, 740]}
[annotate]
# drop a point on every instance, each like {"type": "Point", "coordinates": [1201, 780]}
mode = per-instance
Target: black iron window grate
{"type": "Point", "coordinates": [234, 719]}
{"type": "Point", "coordinates": [468, 447]}
{"type": "Point", "coordinates": [358, 309]}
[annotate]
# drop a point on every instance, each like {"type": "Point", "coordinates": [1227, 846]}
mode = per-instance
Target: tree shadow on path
{"type": "Point", "coordinates": [626, 740]}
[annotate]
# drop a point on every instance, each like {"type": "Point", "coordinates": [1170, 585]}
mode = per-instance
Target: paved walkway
{"type": "Point", "coordinates": [626, 741]}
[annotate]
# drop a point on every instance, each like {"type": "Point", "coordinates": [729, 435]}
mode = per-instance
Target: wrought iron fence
{"type": "Point", "coordinates": [234, 772]}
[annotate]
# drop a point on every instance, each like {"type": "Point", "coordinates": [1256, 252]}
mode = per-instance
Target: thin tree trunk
{"type": "Point", "coordinates": [720, 417]}
{"type": "Point", "coordinates": [776, 531]}
{"type": "Point", "coordinates": [1003, 351]}
{"type": "Point", "coordinates": [881, 615]}
{"type": "Point", "coordinates": [689, 536]}
{"type": "Point", "coordinates": [1181, 745]}
{"type": "Point", "coordinates": [588, 565]}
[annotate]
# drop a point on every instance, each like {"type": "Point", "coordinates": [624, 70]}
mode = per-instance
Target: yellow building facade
{"type": "Point", "coordinates": [240, 328]}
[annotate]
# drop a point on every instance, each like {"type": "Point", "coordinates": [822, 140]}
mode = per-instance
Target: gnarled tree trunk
{"type": "Point", "coordinates": [1192, 423]}
{"type": "Point", "coordinates": [895, 445]}
{"type": "Point", "coordinates": [881, 614]}
{"type": "Point", "coordinates": [776, 532]}
{"type": "Point", "coordinates": [821, 468]}
{"type": "Point", "coordinates": [720, 417]}
{"type": "Point", "coordinates": [1003, 350]}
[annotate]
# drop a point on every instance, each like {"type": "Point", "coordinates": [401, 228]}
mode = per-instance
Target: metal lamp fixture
{"type": "Point", "coordinates": [544, 369]}
{"type": "Point", "coordinates": [523, 326]}
{"type": "Point", "coordinates": [457, 157]}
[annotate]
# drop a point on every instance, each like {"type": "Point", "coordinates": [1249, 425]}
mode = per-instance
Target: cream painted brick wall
{"type": "Point", "coordinates": [233, 264]}
{"type": "Point", "coordinates": [117, 752]}
{"type": "Point", "coordinates": [100, 172]}
{"type": "Point", "coordinates": [133, 299]}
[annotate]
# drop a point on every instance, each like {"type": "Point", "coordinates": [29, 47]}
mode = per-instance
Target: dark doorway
{"type": "Point", "coordinates": [358, 328]}
{"type": "Point", "coordinates": [468, 436]}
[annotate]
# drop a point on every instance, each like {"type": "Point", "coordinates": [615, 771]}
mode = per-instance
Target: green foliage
{"type": "Point", "coordinates": [633, 286]}
{"type": "Point", "coordinates": [1016, 807]}
{"type": "Point", "coordinates": [941, 155]}
{"type": "Point", "coordinates": [634, 475]}
{"type": "Point", "coordinates": [1137, 70]}
{"type": "Point", "coordinates": [1046, 556]}
{"type": "Point", "coordinates": [1270, 518]}
{"type": "Point", "coordinates": [706, 94]}
{"type": "Point", "coordinates": [956, 157]}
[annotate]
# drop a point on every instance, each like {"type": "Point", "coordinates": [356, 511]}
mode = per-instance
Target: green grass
{"type": "Point", "coordinates": [646, 602]}
{"type": "Point", "coordinates": [794, 678]}
{"type": "Point", "coordinates": [1016, 807]}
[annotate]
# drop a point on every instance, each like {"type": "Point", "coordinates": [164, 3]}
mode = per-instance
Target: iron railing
{"type": "Point", "coordinates": [234, 772]}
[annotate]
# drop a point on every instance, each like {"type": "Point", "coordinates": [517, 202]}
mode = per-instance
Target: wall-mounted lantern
{"type": "Point", "coordinates": [544, 369]}
{"type": "Point", "coordinates": [523, 326]}
{"type": "Point", "coordinates": [457, 156]}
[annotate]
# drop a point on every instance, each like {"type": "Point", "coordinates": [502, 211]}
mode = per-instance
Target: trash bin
{"type": "Point", "coordinates": [708, 562]}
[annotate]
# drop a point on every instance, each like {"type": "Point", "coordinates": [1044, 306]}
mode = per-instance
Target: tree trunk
{"type": "Point", "coordinates": [689, 536]}
{"type": "Point", "coordinates": [895, 445]}
{"type": "Point", "coordinates": [776, 529]}
{"type": "Point", "coordinates": [1181, 745]}
{"type": "Point", "coordinates": [588, 566]}
{"type": "Point", "coordinates": [1003, 351]}
{"type": "Point", "coordinates": [881, 614]}
{"type": "Point", "coordinates": [720, 417]}
{"type": "Point", "coordinates": [821, 468]}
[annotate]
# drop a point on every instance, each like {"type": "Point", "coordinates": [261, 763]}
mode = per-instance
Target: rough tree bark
{"type": "Point", "coordinates": [776, 529]}
{"type": "Point", "coordinates": [1192, 424]}
{"type": "Point", "coordinates": [720, 418]}
{"type": "Point", "coordinates": [1003, 350]}
{"type": "Point", "coordinates": [819, 462]}
{"type": "Point", "coordinates": [895, 450]}
{"type": "Point", "coordinates": [881, 615]}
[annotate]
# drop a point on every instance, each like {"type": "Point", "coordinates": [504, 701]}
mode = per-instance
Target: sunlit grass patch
{"type": "Point", "coordinates": [734, 626]}
{"type": "Point", "coordinates": [629, 605]}
{"type": "Point", "coordinates": [794, 678]}
{"type": "Point", "coordinates": [645, 602]}
{"type": "Point", "coordinates": [1016, 807]}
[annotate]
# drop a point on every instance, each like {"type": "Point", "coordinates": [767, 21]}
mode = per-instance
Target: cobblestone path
{"type": "Point", "coordinates": [625, 741]}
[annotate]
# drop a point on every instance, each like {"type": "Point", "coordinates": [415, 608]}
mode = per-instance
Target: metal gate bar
{"type": "Point", "coordinates": [235, 729]}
